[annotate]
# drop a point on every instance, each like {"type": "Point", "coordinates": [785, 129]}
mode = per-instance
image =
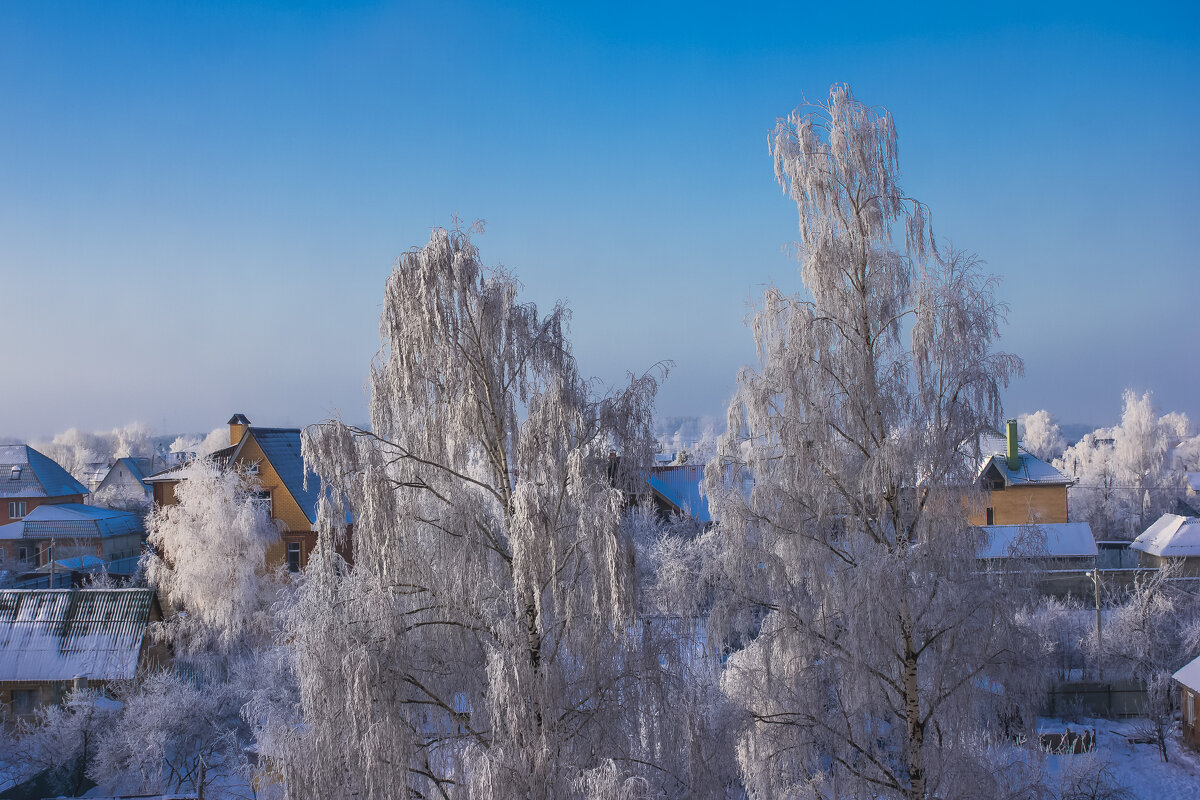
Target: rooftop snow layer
{"type": "Point", "coordinates": [1189, 675]}
{"type": "Point", "coordinates": [24, 472]}
{"type": "Point", "coordinates": [1062, 540]}
{"type": "Point", "coordinates": [1170, 536]}
{"type": "Point", "coordinates": [72, 521]}
{"type": "Point", "coordinates": [58, 634]}
{"type": "Point", "coordinates": [993, 449]}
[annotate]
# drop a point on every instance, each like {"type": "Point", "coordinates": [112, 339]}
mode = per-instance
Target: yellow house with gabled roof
{"type": "Point", "coordinates": [273, 457]}
{"type": "Point", "coordinates": [1018, 487]}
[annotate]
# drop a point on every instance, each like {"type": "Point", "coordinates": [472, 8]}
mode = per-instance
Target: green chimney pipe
{"type": "Point", "coordinates": [1014, 459]}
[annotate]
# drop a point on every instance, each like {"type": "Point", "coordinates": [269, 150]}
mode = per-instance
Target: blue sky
{"type": "Point", "coordinates": [199, 203]}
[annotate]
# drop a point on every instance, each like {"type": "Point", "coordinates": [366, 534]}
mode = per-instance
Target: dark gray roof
{"type": "Point", "coordinates": [238, 419]}
{"type": "Point", "coordinates": [24, 472]}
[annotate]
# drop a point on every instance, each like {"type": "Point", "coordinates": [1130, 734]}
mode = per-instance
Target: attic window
{"type": "Point", "coordinates": [252, 469]}
{"type": "Point", "coordinates": [15, 473]}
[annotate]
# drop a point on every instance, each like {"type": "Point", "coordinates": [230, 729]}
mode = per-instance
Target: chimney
{"type": "Point", "coordinates": [1014, 458]}
{"type": "Point", "coordinates": [237, 428]}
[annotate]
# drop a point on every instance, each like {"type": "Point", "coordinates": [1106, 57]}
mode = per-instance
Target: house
{"type": "Point", "coordinates": [1018, 487]}
{"type": "Point", "coordinates": [126, 478]}
{"type": "Point", "coordinates": [28, 480]}
{"type": "Point", "coordinates": [1188, 680]}
{"type": "Point", "coordinates": [52, 640]}
{"type": "Point", "coordinates": [69, 530]}
{"type": "Point", "coordinates": [1171, 536]}
{"type": "Point", "coordinates": [272, 456]}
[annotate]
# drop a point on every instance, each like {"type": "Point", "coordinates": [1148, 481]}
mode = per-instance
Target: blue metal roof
{"type": "Point", "coordinates": [680, 486]}
{"type": "Point", "coordinates": [74, 520]}
{"type": "Point", "coordinates": [281, 446]}
{"type": "Point", "coordinates": [39, 475]}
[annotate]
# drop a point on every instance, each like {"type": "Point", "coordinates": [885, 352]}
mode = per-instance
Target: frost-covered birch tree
{"type": "Point", "coordinates": [1150, 636]}
{"type": "Point", "coordinates": [210, 561]}
{"type": "Point", "coordinates": [481, 643]}
{"type": "Point", "coordinates": [1041, 435]}
{"type": "Point", "coordinates": [1140, 451]}
{"type": "Point", "coordinates": [872, 658]}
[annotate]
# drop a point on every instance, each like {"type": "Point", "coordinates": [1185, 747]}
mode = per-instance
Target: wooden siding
{"type": "Point", "coordinates": [1188, 568]}
{"type": "Point", "coordinates": [1018, 505]}
{"type": "Point", "coordinates": [1189, 709]}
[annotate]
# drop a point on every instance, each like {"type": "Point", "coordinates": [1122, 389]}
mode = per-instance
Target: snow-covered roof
{"type": "Point", "coordinates": [58, 634]}
{"type": "Point", "coordinates": [680, 486]}
{"type": "Point", "coordinates": [74, 564]}
{"type": "Point", "coordinates": [1062, 540]}
{"type": "Point", "coordinates": [1193, 481]}
{"type": "Point", "coordinates": [72, 521]}
{"type": "Point", "coordinates": [1170, 536]}
{"type": "Point", "coordinates": [1189, 675]}
{"type": "Point", "coordinates": [993, 449]}
{"type": "Point", "coordinates": [24, 472]}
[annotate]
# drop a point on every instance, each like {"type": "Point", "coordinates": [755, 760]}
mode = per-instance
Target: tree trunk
{"type": "Point", "coordinates": [916, 728]}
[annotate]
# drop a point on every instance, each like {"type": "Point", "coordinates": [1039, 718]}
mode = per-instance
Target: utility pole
{"type": "Point", "coordinates": [1095, 576]}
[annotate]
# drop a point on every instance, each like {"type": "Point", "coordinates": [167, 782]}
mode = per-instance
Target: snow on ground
{"type": "Point", "coordinates": [1139, 767]}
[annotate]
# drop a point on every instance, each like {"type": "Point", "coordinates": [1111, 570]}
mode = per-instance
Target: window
{"type": "Point", "coordinates": [1191, 709]}
{"type": "Point", "coordinates": [22, 554]}
{"type": "Point", "coordinates": [15, 473]}
{"type": "Point", "coordinates": [3, 555]}
{"type": "Point", "coordinates": [16, 509]}
{"type": "Point", "coordinates": [252, 469]}
{"type": "Point", "coordinates": [293, 556]}
{"type": "Point", "coordinates": [991, 516]}
{"type": "Point", "coordinates": [264, 497]}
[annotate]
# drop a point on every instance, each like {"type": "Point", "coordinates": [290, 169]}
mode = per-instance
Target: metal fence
{"type": "Point", "coordinates": [1110, 700]}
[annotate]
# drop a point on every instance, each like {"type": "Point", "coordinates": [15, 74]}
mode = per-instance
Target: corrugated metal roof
{"type": "Point", "coordinates": [40, 476]}
{"type": "Point", "coordinates": [680, 486]}
{"type": "Point", "coordinates": [73, 521]}
{"type": "Point", "coordinates": [1063, 540]}
{"type": "Point", "coordinates": [58, 634]}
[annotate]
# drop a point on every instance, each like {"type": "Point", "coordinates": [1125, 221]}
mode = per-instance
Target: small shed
{"type": "Point", "coordinates": [1171, 536]}
{"type": "Point", "coordinates": [1188, 680]}
{"type": "Point", "coordinates": [53, 639]}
